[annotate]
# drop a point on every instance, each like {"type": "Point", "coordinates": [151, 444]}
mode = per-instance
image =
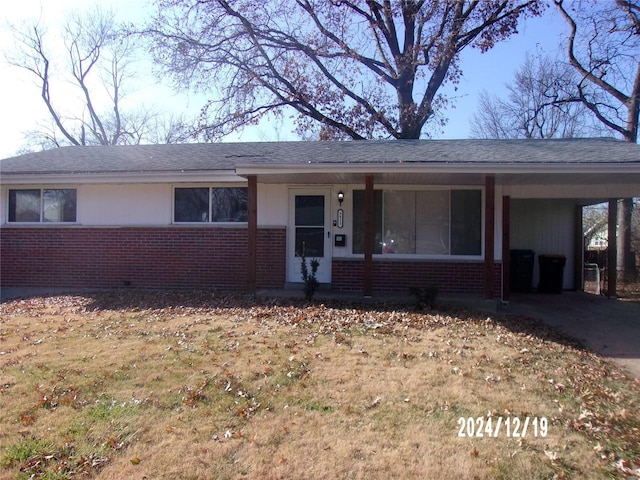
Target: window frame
{"type": "Point", "coordinates": [423, 256]}
{"type": "Point", "coordinates": [41, 205]}
{"type": "Point", "coordinates": [210, 187]}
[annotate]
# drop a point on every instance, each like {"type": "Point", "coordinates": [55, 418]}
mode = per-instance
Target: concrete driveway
{"type": "Point", "coordinates": [609, 327]}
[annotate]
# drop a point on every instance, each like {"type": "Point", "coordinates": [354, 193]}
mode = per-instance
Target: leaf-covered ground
{"type": "Point", "coordinates": [197, 385]}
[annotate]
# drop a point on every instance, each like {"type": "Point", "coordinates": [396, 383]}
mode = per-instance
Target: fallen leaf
{"type": "Point", "coordinates": [553, 456]}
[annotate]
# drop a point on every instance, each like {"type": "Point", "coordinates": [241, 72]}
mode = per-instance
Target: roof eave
{"type": "Point", "coordinates": [25, 178]}
{"type": "Point", "coordinates": [422, 167]}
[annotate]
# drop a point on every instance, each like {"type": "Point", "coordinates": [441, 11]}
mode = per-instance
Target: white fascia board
{"type": "Point", "coordinates": [227, 176]}
{"type": "Point", "coordinates": [485, 168]}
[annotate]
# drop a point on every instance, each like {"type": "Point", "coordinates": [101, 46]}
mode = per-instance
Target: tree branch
{"type": "Point", "coordinates": [629, 127]}
{"type": "Point", "coordinates": [586, 73]}
{"type": "Point", "coordinates": [345, 63]}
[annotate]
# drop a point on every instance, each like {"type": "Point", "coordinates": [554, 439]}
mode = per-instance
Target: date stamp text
{"type": "Point", "coordinates": [508, 427]}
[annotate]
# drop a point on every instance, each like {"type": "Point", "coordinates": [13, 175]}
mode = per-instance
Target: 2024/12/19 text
{"type": "Point", "coordinates": [509, 427]}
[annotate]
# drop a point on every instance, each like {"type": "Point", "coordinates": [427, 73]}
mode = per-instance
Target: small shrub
{"type": "Point", "coordinates": [425, 297]}
{"type": "Point", "coordinates": [311, 283]}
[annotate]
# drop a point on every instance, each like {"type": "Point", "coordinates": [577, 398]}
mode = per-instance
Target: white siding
{"type": "Point", "coordinates": [136, 204]}
{"type": "Point", "coordinates": [151, 204]}
{"type": "Point", "coordinates": [347, 218]}
{"type": "Point", "coordinates": [273, 203]}
{"type": "Point", "coordinates": [546, 227]}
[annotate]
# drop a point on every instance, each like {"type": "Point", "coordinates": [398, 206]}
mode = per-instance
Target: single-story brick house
{"type": "Point", "coordinates": [379, 215]}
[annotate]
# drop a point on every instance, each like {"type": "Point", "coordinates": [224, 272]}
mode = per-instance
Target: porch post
{"type": "Point", "coordinates": [369, 220]}
{"type": "Point", "coordinates": [506, 247]}
{"type": "Point", "coordinates": [252, 231]}
{"type": "Point", "coordinates": [489, 234]}
{"type": "Point", "coordinates": [578, 271]}
{"type": "Point", "coordinates": [612, 249]}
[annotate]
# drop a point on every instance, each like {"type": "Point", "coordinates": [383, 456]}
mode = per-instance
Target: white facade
{"type": "Point", "coordinates": [127, 205]}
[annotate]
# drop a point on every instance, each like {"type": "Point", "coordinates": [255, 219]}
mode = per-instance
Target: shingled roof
{"type": "Point", "coordinates": [208, 157]}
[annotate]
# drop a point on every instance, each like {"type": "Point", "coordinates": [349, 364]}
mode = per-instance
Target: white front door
{"type": "Point", "coordinates": [309, 217]}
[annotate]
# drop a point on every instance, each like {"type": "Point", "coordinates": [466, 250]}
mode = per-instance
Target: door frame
{"type": "Point", "coordinates": [293, 262]}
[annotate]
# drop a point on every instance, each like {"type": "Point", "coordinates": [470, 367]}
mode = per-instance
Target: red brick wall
{"type": "Point", "coordinates": [271, 257]}
{"type": "Point", "coordinates": [161, 257]}
{"type": "Point", "coordinates": [196, 257]}
{"type": "Point", "coordinates": [399, 275]}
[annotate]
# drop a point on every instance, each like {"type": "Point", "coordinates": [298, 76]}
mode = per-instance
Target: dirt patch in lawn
{"type": "Point", "coordinates": [196, 385]}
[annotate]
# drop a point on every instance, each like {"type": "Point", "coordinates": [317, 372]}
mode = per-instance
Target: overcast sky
{"type": "Point", "coordinates": [22, 107]}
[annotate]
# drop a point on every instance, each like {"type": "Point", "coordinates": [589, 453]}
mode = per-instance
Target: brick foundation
{"type": "Point", "coordinates": [158, 257]}
{"type": "Point", "coordinates": [197, 257]}
{"type": "Point", "coordinates": [271, 257]}
{"type": "Point", "coordinates": [399, 275]}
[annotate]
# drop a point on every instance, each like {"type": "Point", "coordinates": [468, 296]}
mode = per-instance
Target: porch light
{"type": "Point", "coordinates": [340, 197]}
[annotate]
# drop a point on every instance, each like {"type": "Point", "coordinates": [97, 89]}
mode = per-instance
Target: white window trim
{"type": "Point", "coordinates": [210, 186]}
{"type": "Point", "coordinates": [41, 222]}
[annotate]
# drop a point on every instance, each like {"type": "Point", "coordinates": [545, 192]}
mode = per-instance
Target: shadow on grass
{"type": "Point", "coordinates": [140, 300]}
{"type": "Point", "coordinates": [134, 300]}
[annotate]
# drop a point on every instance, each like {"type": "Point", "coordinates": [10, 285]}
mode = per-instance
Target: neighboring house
{"type": "Point", "coordinates": [599, 239]}
{"type": "Point", "coordinates": [379, 215]}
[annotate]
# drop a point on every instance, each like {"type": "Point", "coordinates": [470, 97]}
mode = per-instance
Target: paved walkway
{"type": "Point", "coordinates": [609, 327]}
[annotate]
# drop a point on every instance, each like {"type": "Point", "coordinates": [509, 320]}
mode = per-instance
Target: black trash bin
{"type": "Point", "coordinates": [521, 270]}
{"type": "Point", "coordinates": [551, 273]}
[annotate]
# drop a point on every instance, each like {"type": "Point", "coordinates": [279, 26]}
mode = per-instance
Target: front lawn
{"type": "Point", "coordinates": [196, 386]}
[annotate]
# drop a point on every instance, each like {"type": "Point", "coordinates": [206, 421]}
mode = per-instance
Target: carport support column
{"type": "Point", "coordinates": [489, 234]}
{"type": "Point", "coordinates": [252, 231]}
{"type": "Point", "coordinates": [506, 248]}
{"type": "Point", "coordinates": [369, 238]}
{"type": "Point", "coordinates": [612, 249]}
{"type": "Point", "coordinates": [578, 257]}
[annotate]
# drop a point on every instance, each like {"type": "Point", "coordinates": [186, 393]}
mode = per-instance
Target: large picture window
{"type": "Point", "coordinates": [424, 222]}
{"type": "Point", "coordinates": [210, 204]}
{"type": "Point", "coordinates": [43, 205]}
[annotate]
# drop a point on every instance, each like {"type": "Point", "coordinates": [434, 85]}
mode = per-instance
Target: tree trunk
{"type": "Point", "coordinates": [626, 264]}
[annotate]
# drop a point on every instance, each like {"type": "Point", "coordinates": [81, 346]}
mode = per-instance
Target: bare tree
{"type": "Point", "coordinates": [348, 68]}
{"type": "Point", "coordinates": [540, 104]}
{"type": "Point", "coordinates": [604, 48]}
{"type": "Point", "coordinates": [98, 65]}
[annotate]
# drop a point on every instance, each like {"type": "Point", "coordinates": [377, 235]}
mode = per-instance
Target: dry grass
{"type": "Point", "coordinates": [195, 386]}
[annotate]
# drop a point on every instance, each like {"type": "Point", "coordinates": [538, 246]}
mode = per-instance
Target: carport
{"type": "Point", "coordinates": [542, 212]}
